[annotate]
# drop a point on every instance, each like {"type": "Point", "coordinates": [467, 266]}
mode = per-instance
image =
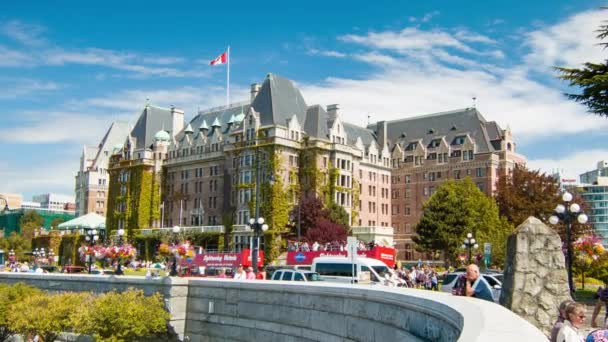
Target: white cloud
{"type": "Point", "coordinates": [568, 43]}
{"type": "Point", "coordinates": [47, 176]}
{"type": "Point", "coordinates": [19, 87]}
{"type": "Point", "coordinates": [26, 34]}
{"type": "Point", "coordinates": [37, 51]}
{"type": "Point", "coordinates": [415, 74]}
{"type": "Point", "coordinates": [54, 127]}
{"type": "Point", "coordinates": [14, 58]}
{"type": "Point", "coordinates": [326, 53]}
{"type": "Point", "coordinates": [428, 16]}
{"type": "Point", "coordinates": [409, 38]}
{"type": "Point", "coordinates": [571, 165]}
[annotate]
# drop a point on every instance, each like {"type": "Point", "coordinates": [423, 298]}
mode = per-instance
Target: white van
{"type": "Point", "coordinates": [340, 269]}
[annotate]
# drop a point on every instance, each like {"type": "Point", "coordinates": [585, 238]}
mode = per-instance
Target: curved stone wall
{"type": "Point", "coordinates": [216, 310]}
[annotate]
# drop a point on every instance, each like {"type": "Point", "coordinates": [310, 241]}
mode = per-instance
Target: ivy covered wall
{"type": "Point", "coordinates": [142, 199]}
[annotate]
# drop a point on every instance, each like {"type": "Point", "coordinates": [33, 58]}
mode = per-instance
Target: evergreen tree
{"type": "Point", "coordinates": [592, 80]}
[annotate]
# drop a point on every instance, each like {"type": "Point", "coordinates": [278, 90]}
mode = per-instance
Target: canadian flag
{"type": "Point", "coordinates": [221, 59]}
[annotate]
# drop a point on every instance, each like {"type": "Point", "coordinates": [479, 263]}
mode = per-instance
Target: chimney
{"type": "Point", "coordinates": [255, 89]}
{"type": "Point", "coordinates": [177, 120]}
{"type": "Point", "coordinates": [381, 132]}
{"type": "Point", "coordinates": [332, 111]}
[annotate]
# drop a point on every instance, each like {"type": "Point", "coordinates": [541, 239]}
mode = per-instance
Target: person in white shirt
{"type": "Point", "coordinates": [575, 318]}
{"type": "Point", "coordinates": [240, 274]}
{"type": "Point", "coordinates": [315, 246]}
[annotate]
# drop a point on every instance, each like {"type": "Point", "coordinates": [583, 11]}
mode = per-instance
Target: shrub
{"type": "Point", "coordinates": [45, 315]}
{"type": "Point", "coordinates": [127, 316]}
{"type": "Point", "coordinates": [10, 295]}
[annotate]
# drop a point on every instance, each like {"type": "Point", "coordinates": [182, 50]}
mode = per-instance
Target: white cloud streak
{"type": "Point", "coordinates": [571, 165]}
{"type": "Point", "coordinates": [23, 33]}
{"type": "Point", "coordinates": [416, 74]}
{"type": "Point", "coordinates": [568, 43]}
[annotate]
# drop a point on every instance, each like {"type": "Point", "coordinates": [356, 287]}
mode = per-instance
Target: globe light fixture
{"type": "Point", "coordinates": [568, 212]}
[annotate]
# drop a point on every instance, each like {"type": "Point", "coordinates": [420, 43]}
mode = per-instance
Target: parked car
{"type": "Point", "coordinates": [295, 275]}
{"type": "Point", "coordinates": [493, 279]}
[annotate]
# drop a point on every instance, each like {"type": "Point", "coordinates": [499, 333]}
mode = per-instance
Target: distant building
{"type": "Point", "coordinates": [92, 179]}
{"type": "Point", "coordinates": [12, 200]}
{"type": "Point", "coordinates": [53, 201]}
{"type": "Point", "coordinates": [30, 205]}
{"type": "Point", "coordinates": [595, 195]}
{"type": "Point", "coordinates": [590, 177]}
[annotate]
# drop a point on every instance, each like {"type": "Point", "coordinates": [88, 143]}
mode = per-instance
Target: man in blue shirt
{"type": "Point", "coordinates": [476, 285]}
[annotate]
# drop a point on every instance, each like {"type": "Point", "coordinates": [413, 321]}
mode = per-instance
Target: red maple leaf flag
{"type": "Point", "coordinates": [221, 59]}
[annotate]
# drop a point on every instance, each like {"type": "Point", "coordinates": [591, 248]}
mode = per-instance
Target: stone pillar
{"type": "Point", "coordinates": [535, 278]}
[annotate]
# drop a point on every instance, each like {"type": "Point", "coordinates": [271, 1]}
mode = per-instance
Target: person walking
{"type": "Point", "coordinates": [602, 299]}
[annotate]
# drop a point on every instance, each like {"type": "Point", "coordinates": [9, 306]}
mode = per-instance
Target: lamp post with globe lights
{"type": "Point", "coordinates": [175, 230]}
{"type": "Point", "coordinates": [120, 233]}
{"type": "Point", "coordinates": [91, 237]}
{"type": "Point", "coordinates": [470, 243]}
{"type": "Point", "coordinates": [568, 212]}
{"type": "Point", "coordinates": [258, 227]}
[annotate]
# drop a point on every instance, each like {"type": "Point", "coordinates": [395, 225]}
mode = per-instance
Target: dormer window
{"type": "Point", "coordinates": [435, 143]}
{"type": "Point", "coordinates": [459, 140]}
{"type": "Point", "coordinates": [431, 131]}
{"type": "Point", "coordinates": [412, 146]}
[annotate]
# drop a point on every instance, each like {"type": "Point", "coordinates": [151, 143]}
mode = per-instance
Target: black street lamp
{"type": "Point", "coordinates": [568, 212]}
{"type": "Point", "coordinates": [91, 237]}
{"type": "Point", "coordinates": [175, 231]}
{"type": "Point", "coordinates": [470, 243]}
{"type": "Point", "coordinates": [120, 233]}
{"type": "Point", "coordinates": [258, 227]}
{"type": "Point", "coordinates": [38, 254]}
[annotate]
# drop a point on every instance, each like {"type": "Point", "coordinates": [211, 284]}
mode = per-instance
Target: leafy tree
{"type": "Point", "coordinates": [326, 231]}
{"type": "Point", "coordinates": [57, 221]}
{"type": "Point", "coordinates": [312, 210]}
{"type": "Point", "coordinates": [455, 209]}
{"type": "Point", "coordinates": [46, 315]}
{"type": "Point", "coordinates": [336, 214]}
{"type": "Point", "coordinates": [592, 80]}
{"type": "Point", "coordinates": [524, 193]}
{"type": "Point", "coordinates": [126, 316]}
{"type": "Point", "coordinates": [600, 269]}
{"type": "Point", "coordinates": [10, 295]}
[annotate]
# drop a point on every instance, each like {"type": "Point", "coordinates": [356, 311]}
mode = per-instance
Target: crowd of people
{"type": "Point", "coordinates": [329, 246]}
{"type": "Point", "coordinates": [421, 277]}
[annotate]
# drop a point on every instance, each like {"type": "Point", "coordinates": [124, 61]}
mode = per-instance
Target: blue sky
{"type": "Point", "coordinates": [68, 69]}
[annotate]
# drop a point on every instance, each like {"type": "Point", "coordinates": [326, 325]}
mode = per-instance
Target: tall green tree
{"type": "Point", "coordinates": [591, 79]}
{"type": "Point", "coordinates": [455, 209]}
{"type": "Point", "coordinates": [337, 214]}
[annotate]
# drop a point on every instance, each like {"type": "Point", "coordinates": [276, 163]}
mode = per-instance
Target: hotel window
{"type": "Point", "coordinates": [407, 211]}
{"type": "Point", "coordinates": [479, 172]}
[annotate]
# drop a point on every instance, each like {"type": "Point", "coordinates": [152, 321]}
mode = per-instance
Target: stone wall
{"type": "Point", "coordinates": [227, 310]}
{"type": "Point", "coordinates": [535, 277]}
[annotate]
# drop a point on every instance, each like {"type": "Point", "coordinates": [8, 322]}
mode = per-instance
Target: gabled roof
{"type": "Point", "coordinates": [449, 124]}
{"type": "Point", "coordinates": [116, 134]}
{"type": "Point", "coordinates": [354, 131]}
{"type": "Point", "coordinates": [151, 120]}
{"type": "Point", "coordinates": [278, 100]}
{"type": "Point", "coordinates": [316, 122]}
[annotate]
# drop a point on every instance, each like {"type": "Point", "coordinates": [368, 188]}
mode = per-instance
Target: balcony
{"type": "Point", "coordinates": [199, 229]}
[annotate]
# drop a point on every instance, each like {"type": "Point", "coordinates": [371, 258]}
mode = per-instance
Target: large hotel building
{"type": "Point", "coordinates": [201, 173]}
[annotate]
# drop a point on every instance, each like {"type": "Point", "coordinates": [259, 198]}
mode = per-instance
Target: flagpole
{"type": "Point", "coordinates": [228, 78]}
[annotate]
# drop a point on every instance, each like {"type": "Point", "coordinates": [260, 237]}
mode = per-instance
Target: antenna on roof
{"type": "Point", "coordinates": [474, 101]}
{"type": "Point", "coordinates": [368, 117]}
{"type": "Point", "coordinates": [147, 101]}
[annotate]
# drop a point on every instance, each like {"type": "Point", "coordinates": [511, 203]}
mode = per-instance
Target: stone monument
{"type": "Point", "coordinates": [535, 278]}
